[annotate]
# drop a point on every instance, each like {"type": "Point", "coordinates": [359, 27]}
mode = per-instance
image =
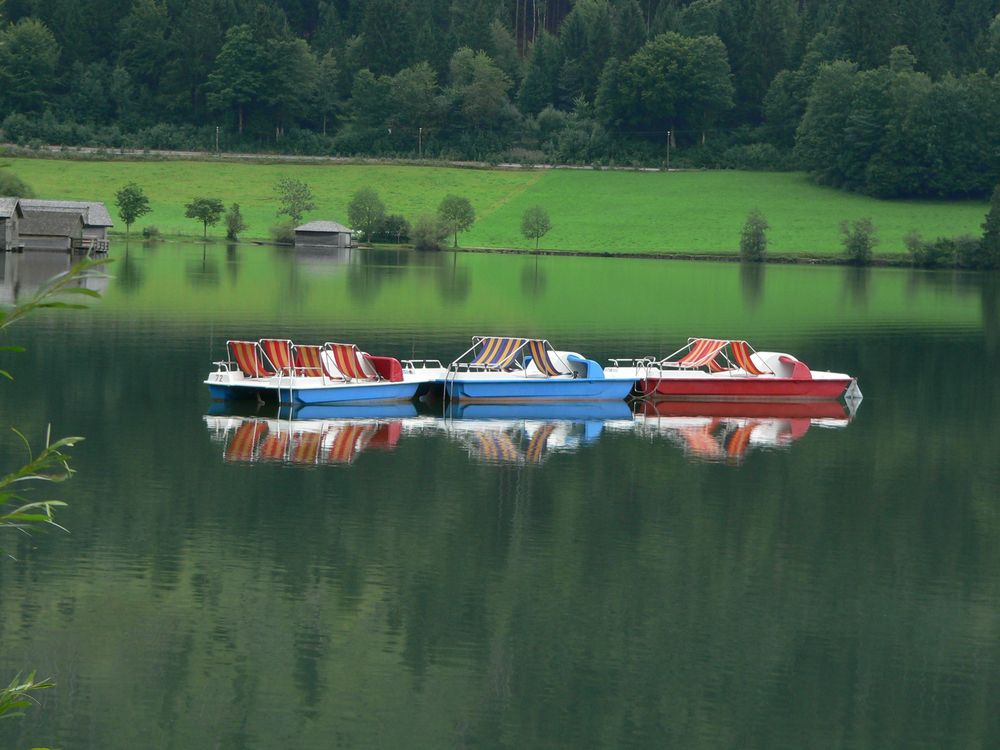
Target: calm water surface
{"type": "Point", "coordinates": [690, 578]}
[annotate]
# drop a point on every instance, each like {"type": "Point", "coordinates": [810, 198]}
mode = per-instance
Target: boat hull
{"type": "Point", "coordinates": [338, 394]}
{"type": "Point", "coordinates": [519, 390]}
{"type": "Point", "coordinates": [724, 389]}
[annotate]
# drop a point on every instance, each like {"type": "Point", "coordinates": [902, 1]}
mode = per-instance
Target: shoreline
{"type": "Point", "coordinates": [717, 257]}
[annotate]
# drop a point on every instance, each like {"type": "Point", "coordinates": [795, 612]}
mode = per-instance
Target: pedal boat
{"type": "Point", "coordinates": [517, 370]}
{"type": "Point", "coordinates": [722, 369]}
{"type": "Point", "coordinates": [279, 370]}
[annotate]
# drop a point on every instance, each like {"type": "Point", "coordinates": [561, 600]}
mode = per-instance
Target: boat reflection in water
{"type": "Point", "coordinates": [312, 435]}
{"type": "Point", "coordinates": [528, 433]}
{"type": "Point", "coordinates": [518, 434]}
{"type": "Point", "coordinates": [727, 431]}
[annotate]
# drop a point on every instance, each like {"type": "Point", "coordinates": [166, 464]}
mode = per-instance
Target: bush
{"type": "Point", "coordinates": [151, 232]}
{"type": "Point", "coordinates": [859, 240]}
{"type": "Point", "coordinates": [283, 234]}
{"type": "Point", "coordinates": [971, 252]}
{"type": "Point", "coordinates": [394, 228]}
{"type": "Point", "coordinates": [13, 186]}
{"type": "Point", "coordinates": [235, 223]}
{"type": "Point", "coordinates": [753, 238]}
{"type": "Point", "coordinates": [428, 233]}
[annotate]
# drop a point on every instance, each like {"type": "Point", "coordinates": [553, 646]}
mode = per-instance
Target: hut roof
{"type": "Point", "coordinates": [10, 207]}
{"type": "Point", "coordinates": [94, 214]}
{"type": "Point", "coordinates": [51, 224]}
{"type": "Point", "coordinates": [323, 226]}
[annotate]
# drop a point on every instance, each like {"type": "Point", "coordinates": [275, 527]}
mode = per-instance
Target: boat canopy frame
{"type": "Point", "coordinates": [501, 354]}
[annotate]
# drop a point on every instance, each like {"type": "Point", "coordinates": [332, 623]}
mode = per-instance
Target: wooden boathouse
{"type": "Point", "coordinates": [11, 214]}
{"type": "Point", "coordinates": [323, 234]}
{"type": "Point", "coordinates": [70, 226]}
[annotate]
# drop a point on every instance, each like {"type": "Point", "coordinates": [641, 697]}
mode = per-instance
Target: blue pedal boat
{"type": "Point", "coordinates": [517, 370]}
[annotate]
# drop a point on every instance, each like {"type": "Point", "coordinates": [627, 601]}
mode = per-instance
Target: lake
{"type": "Point", "coordinates": [692, 577]}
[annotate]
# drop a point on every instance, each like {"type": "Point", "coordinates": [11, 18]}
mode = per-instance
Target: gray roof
{"type": "Point", "coordinates": [10, 206]}
{"type": "Point", "coordinates": [51, 224]}
{"type": "Point", "coordinates": [323, 226]}
{"type": "Point", "coordinates": [94, 214]}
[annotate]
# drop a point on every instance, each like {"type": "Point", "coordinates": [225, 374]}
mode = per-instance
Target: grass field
{"type": "Point", "coordinates": [631, 212]}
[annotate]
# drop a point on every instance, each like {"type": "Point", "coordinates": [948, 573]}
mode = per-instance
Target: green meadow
{"type": "Point", "coordinates": [591, 211]}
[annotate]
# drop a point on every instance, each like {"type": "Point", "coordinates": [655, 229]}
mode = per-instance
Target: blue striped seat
{"type": "Point", "coordinates": [497, 352]}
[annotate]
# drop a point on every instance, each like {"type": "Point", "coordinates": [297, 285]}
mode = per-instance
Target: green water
{"type": "Point", "coordinates": [697, 580]}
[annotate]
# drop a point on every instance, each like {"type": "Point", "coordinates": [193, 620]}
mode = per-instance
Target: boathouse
{"type": "Point", "coordinates": [94, 215]}
{"type": "Point", "coordinates": [52, 230]}
{"type": "Point", "coordinates": [10, 214]}
{"type": "Point", "coordinates": [323, 234]}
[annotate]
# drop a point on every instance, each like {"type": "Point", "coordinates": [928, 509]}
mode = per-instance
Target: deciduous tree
{"type": "Point", "coordinates": [206, 210]}
{"type": "Point", "coordinates": [366, 212]}
{"type": "Point", "coordinates": [535, 223]}
{"type": "Point", "coordinates": [295, 198]}
{"type": "Point", "coordinates": [753, 238]}
{"type": "Point", "coordinates": [456, 213]}
{"type": "Point", "coordinates": [235, 224]}
{"type": "Point", "coordinates": [132, 204]}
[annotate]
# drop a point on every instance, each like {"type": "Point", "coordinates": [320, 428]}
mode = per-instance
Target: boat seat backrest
{"type": "Point", "coordinates": [782, 365]}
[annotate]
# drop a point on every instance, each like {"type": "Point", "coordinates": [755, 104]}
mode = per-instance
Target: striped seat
{"type": "Point", "coordinates": [247, 356]}
{"type": "Point", "coordinates": [497, 352]}
{"type": "Point", "coordinates": [701, 353]}
{"type": "Point", "coordinates": [743, 359]}
{"type": "Point", "coordinates": [351, 362]}
{"type": "Point", "coordinates": [540, 356]}
{"type": "Point", "coordinates": [279, 354]}
{"type": "Point", "coordinates": [307, 360]}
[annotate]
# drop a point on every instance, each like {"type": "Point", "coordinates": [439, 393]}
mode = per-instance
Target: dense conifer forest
{"type": "Point", "coordinates": [887, 97]}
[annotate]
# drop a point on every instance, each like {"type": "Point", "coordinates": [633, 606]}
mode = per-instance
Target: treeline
{"type": "Point", "coordinates": [891, 97]}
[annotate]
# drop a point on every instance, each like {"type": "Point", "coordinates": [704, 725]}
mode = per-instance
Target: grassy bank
{"type": "Point", "coordinates": [591, 211]}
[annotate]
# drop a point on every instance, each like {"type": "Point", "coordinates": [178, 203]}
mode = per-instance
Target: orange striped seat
{"type": "Point", "coordinates": [247, 356]}
{"type": "Point", "coordinates": [742, 357]}
{"type": "Point", "coordinates": [279, 354]}
{"type": "Point", "coordinates": [307, 360]}
{"type": "Point", "coordinates": [351, 363]}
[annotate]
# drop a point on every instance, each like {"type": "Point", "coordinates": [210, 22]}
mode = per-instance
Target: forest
{"type": "Point", "coordinates": [893, 98]}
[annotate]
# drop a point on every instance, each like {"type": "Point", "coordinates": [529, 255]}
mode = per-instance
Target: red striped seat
{"type": "Point", "coordinates": [351, 362]}
{"type": "Point", "coordinates": [742, 357]}
{"type": "Point", "coordinates": [308, 362]}
{"type": "Point", "coordinates": [279, 354]}
{"type": "Point", "coordinates": [247, 356]}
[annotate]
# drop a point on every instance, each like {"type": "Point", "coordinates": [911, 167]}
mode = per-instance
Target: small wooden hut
{"type": "Point", "coordinates": [11, 214]}
{"type": "Point", "coordinates": [51, 230]}
{"type": "Point", "coordinates": [95, 216]}
{"type": "Point", "coordinates": [323, 234]}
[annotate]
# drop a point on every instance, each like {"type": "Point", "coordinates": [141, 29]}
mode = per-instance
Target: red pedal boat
{"type": "Point", "coordinates": [724, 370]}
